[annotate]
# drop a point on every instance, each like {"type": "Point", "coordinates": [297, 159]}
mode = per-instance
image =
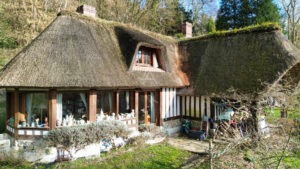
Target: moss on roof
{"type": "Point", "coordinates": [244, 61]}
{"type": "Point", "coordinates": [264, 27]}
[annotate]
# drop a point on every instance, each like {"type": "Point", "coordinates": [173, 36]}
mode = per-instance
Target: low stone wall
{"type": "Point", "coordinates": [172, 126]}
{"type": "Point", "coordinates": [35, 151]}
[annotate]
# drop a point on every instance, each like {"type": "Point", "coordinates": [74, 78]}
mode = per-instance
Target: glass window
{"type": "Point", "coordinates": [74, 104]}
{"type": "Point", "coordinates": [104, 102]}
{"type": "Point", "coordinates": [147, 54]}
{"type": "Point", "coordinates": [36, 108]}
{"type": "Point", "coordinates": [124, 102]}
{"type": "Point", "coordinates": [139, 57]}
{"type": "Point", "coordinates": [151, 107]}
{"type": "Point", "coordinates": [144, 56]}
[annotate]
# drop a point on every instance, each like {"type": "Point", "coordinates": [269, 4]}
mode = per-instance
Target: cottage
{"type": "Point", "coordinates": [81, 69]}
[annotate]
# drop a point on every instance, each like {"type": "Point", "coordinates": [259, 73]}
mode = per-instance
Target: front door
{"type": "Point", "coordinates": [147, 107]}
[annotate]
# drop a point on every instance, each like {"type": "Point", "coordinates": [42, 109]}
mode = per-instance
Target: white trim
{"type": "Point", "coordinates": [208, 107]}
{"type": "Point", "coordinates": [171, 103]}
{"type": "Point", "coordinates": [174, 103]}
{"type": "Point", "coordinates": [167, 103]}
{"type": "Point", "coordinates": [163, 113]}
{"type": "Point", "coordinates": [178, 105]}
{"type": "Point", "coordinates": [202, 107]}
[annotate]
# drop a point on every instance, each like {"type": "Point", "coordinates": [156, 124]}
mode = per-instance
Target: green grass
{"type": "Point", "coordinates": [292, 160]}
{"type": "Point", "coordinates": [146, 156]}
{"type": "Point", "coordinates": [276, 114]}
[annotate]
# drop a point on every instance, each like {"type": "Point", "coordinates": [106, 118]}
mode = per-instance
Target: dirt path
{"type": "Point", "coordinates": [194, 146]}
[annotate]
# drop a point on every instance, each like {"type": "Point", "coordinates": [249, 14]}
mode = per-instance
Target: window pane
{"type": "Point", "coordinates": [151, 107]}
{"type": "Point", "coordinates": [104, 102]}
{"type": "Point", "coordinates": [146, 57]}
{"type": "Point", "coordinates": [36, 107]}
{"type": "Point", "coordinates": [124, 102]}
{"type": "Point", "coordinates": [74, 104]}
{"type": "Point", "coordinates": [139, 57]}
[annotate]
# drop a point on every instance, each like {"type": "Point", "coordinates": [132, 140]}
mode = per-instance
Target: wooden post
{"type": "Point", "coordinates": [23, 103]}
{"type": "Point", "coordinates": [157, 108]}
{"type": "Point", "coordinates": [114, 102]}
{"type": "Point", "coordinates": [131, 100]}
{"type": "Point", "coordinates": [136, 109]}
{"type": "Point", "coordinates": [92, 106]}
{"type": "Point", "coordinates": [145, 108]}
{"type": "Point", "coordinates": [52, 109]}
{"type": "Point", "coordinates": [16, 107]}
{"type": "Point", "coordinates": [117, 104]}
{"type": "Point", "coordinates": [210, 155]}
{"type": "Point", "coordinates": [160, 108]}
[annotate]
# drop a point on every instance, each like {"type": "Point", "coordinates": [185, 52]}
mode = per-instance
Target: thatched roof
{"type": "Point", "coordinates": [243, 60]}
{"type": "Point", "coordinates": [76, 51]}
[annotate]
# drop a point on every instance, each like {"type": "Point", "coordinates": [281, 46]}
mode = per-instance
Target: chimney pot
{"type": "Point", "coordinates": [87, 10]}
{"type": "Point", "coordinates": [187, 29]}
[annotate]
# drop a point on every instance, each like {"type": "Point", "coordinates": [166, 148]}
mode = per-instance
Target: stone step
{"type": "Point", "coordinates": [4, 136]}
{"type": "Point", "coordinates": [4, 143]}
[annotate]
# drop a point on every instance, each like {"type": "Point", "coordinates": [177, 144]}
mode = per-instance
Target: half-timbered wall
{"type": "Point", "coordinates": [170, 103]}
{"type": "Point", "coordinates": [195, 107]}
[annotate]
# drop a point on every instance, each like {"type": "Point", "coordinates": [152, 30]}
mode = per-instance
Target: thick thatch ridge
{"type": "Point", "coordinates": [77, 51]}
{"type": "Point", "coordinates": [264, 27]}
{"type": "Point", "coordinates": [244, 61]}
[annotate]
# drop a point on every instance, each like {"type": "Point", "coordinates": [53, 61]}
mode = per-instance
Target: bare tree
{"type": "Point", "coordinates": [292, 10]}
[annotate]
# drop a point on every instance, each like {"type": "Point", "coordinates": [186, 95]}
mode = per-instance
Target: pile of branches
{"type": "Point", "coordinates": [227, 130]}
{"type": "Point", "coordinates": [240, 129]}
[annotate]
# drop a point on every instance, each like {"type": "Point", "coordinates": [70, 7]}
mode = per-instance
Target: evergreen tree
{"type": "Point", "coordinates": [211, 27]}
{"type": "Point", "coordinates": [228, 15]}
{"type": "Point", "coordinates": [266, 11]}
{"type": "Point", "coordinates": [240, 13]}
{"type": "Point", "coordinates": [246, 13]}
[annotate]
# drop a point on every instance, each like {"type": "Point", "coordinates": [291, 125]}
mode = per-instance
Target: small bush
{"type": "Point", "coordinates": [151, 128]}
{"type": "Point", "coordinates": [78, 137]}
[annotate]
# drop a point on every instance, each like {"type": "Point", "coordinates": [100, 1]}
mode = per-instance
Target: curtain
{"type": "Point", "coordinates": [152, 108]}
{"type": "Point", "coordinates": [110, 101]}
{"type": "Point", "coordinates": [127, 101]}
{"type": "Point", "coordinates": [83, 98]}
{"type": "Point", "coordinates": [155, 64]}
{"type": "Point", "coordinates": [28, 102]}
{"type": "Point", "coordinates": [59, 107]}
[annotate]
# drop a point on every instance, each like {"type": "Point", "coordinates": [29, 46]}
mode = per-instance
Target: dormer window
{"type": "Point", "coordinates": [147, 56]}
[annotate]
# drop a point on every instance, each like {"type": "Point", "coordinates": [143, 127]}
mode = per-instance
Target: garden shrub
{"type": "Point", "coordinates": [79, 136]}
{"type": "Point", "coordinates": [151, 128]}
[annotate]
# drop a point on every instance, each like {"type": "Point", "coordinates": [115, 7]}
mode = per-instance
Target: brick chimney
{"type": "Point", "coordinates": [87, 10]}
{"type": "Point", "coordinates": [187, 29]}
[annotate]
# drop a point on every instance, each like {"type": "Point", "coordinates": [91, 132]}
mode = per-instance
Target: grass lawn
{"type": "Point", "coordinates": [145, 156]}
{"type": "Point", "coordinates": [276, 114]}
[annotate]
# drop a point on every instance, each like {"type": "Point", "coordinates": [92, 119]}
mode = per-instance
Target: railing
{"type": "Point", "coordinates": [27, 132]}
{"type": "Point", "coordinates": [130, 122]}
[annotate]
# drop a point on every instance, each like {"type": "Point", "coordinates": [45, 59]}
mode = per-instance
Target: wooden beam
{"type": "Point", "coordinates": [22, 103]}
{"type": "Point", "coordinates": [131, 100]}
{"type": "Point", "coordinates": [92, 106]}
{"type": "Point", "coordinates": [114, 102]}
{"type": "Point", "coordinates": [52, 109]}
{"type": "Point", "coordinates": [136, 109]}
{"type": "Point", "coordinates": [157, 108]}
{"type": "Point", "coordinates": [145, 108]}
{"type": "Point", "coordinates": [117, 104]}
{"type": "Point", "coordinates": [160, 107]}
{"type": "Point", "coordinates": [16, 107]}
